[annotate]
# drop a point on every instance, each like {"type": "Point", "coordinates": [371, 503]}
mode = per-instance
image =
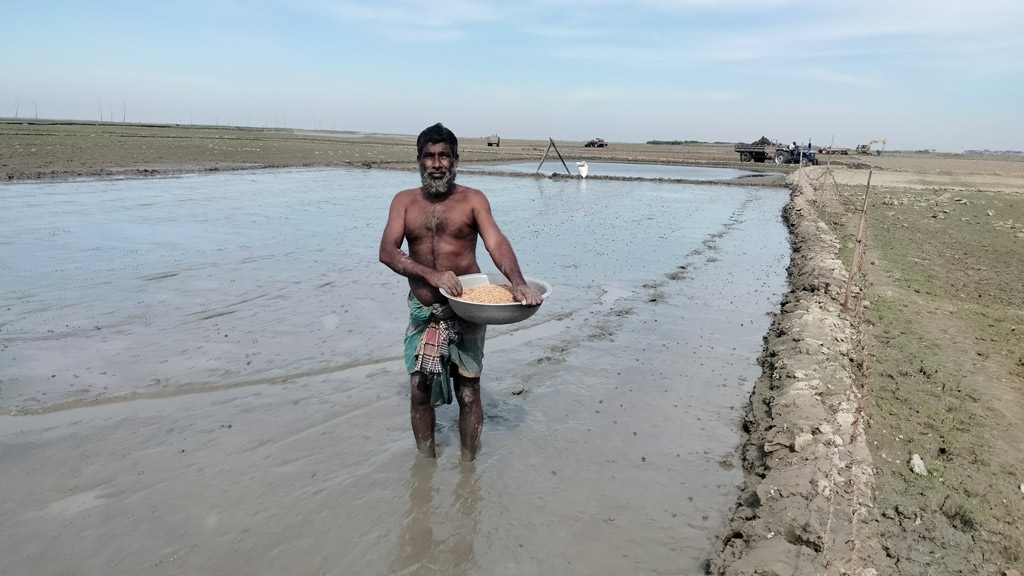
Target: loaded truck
{"type": "Point", "coordinates": [830, 150]}
{"type": "Point", "coordinates": [755, 151]}
{"type": "Point", "coordinates": [763, 149]}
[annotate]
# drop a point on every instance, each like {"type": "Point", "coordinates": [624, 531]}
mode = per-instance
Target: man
{"type": "Point", "coordinates": [441, 221]}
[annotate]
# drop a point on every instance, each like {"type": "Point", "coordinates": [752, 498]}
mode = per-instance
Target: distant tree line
{"type": "Point", "coordinates": [995, 152]}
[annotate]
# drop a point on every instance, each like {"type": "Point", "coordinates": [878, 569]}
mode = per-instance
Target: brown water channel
{"type": "Point", "coordinates": [202, 375]}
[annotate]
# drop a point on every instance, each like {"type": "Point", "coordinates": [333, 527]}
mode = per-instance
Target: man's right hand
{"type": "Point", "coordinates": [447, 281]}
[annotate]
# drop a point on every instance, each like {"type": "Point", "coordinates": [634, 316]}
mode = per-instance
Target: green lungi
{"type": "Point", "coordinates": [464, 349]}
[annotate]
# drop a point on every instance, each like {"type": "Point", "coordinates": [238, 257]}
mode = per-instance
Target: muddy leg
{"type": "Point", "coordinates": [422, 415]}
{"type": "Point", "coordinates": [471, 414]}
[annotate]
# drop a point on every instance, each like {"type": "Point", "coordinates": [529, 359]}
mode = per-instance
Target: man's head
{"type": "Point", "coordinates": [437, 150]}
{"type": "Point", "coordinates": [437, 134]}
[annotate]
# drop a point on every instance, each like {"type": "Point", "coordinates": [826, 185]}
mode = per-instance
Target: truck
{"type": "Point", "coordinates": [494, 140]}
{"type": "Point", "coordinates": [763, 149]}
{"type": "Point", "coordinates": [596, 143]}
{"type": "Point", "coordinates": [757, 151]}
{"type": "Point", "coordinates": [830, 150]}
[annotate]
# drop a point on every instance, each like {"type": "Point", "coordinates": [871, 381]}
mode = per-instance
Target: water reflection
{"type": "Point", "coordinates": [437, 539]}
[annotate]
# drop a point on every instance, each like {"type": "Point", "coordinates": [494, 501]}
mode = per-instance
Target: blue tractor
{"type": "Point", "coordinates": [796, 155]}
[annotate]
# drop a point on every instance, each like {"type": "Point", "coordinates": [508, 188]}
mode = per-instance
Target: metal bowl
{"type": "Point", "coordinates": [494, 313]}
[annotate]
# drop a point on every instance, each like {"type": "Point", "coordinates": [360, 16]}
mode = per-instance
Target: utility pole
{"type": "Point", "coordinates": [17, 105]}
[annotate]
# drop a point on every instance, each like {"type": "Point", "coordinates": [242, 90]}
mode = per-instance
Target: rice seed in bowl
{"type": "Point", "coordinates": [505, 311]}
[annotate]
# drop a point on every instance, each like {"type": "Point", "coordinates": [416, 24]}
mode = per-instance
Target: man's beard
{"type": "Point", "coordinates": [434, 187]}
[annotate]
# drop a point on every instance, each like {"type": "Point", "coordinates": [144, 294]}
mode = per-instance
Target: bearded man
{"type": "Point", "coordinates": [441, 221]}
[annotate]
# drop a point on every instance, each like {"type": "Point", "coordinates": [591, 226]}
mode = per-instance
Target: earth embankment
{"type": "Point", "coordinates": [808, 470]}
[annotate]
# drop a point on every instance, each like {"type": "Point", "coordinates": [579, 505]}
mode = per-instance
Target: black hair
{"type": "Point", "coordinates": [437, 134]}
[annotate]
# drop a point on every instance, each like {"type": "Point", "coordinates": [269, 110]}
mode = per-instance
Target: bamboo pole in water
{"type": "Point", "coordinates": [560, 157]}
{"type": "Point", "coordinates": [545, 156]}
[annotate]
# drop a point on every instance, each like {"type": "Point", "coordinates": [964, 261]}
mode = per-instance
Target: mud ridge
{"type": "Point", "coordinates": [807, 470]}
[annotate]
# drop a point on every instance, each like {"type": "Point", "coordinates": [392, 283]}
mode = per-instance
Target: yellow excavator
{"type": "Point", "coordinates": [866, 148]}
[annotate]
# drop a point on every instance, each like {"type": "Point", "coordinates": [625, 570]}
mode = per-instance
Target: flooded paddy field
{"type": "Point", "coordinates": [203, 373]}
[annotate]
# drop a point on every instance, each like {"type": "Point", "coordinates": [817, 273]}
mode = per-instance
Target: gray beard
{"type": "Point", "coordinates": [437, 187]}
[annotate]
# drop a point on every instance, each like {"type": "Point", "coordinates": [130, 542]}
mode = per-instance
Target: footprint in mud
{"type": "Point", "coordinates": [679, 274]}
{"type": "Point", "coordinates": [601, 333]}
{"type": "Point", "coordinates": [605, 329]}
{"type": "Point", "coordinates": [556, 354]}
{"type": "Point", "coordinates": [504, 415]}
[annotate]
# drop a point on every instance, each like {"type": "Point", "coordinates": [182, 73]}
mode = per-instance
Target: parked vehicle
{"type": "Point", "coordinates": [596, 143]}
{"type": "Point", "coordinates": [866, 148]}
{"type": "Point", "coordinates": [796, 155]}
{"type": "Point", "coordinates": [763, 149]}
{"type": "Point", "coordinates": [754, 152]}
{"type": "Point", "coordinates": [830, 150]}
{"type": "Point", "coordinates": [494, 140]}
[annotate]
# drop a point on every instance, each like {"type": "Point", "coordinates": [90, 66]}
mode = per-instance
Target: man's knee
{"type": "Point", "coordinates": [420, 389]}
{"type": "Point", "coordinates": [467, 390]}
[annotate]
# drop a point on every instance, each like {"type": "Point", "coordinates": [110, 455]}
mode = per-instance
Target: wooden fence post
{"type": "Point", "coordinates": [856, 248]}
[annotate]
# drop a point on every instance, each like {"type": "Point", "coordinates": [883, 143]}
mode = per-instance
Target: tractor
{"type": "Point", "coordinates": [797, 155]}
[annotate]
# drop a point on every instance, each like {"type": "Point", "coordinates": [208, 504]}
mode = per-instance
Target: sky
{"type": "Point", "coordinates": [921, 74]}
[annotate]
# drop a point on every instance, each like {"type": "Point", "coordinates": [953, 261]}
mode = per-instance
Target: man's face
{"type": "Point", "coordinates": [437, 169]}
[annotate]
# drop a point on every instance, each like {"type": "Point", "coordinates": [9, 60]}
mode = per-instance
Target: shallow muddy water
{"type": "Point", "coordinates": [239, 344]}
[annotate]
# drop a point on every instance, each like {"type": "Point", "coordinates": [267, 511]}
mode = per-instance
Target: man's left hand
{"type": "Point", "coordinates": [526, 295]}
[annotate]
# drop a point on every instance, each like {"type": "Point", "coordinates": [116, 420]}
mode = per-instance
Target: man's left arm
{"type": "Point", "coordinates": [501, 252]}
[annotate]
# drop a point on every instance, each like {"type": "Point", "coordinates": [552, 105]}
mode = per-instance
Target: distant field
{"type": "Point", "coordinates": [32, 150]}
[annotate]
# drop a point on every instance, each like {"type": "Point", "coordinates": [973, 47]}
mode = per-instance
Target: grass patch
{"type": "Point", "coordinates": [943, 323]}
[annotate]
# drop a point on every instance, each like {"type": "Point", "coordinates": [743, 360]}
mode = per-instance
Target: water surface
{"type": "Point", "coordinates": [243, 342]}
{"type": "Point", "coordinates": [622, 170]}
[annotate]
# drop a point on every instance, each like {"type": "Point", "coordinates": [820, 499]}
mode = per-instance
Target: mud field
{"type": "Point", "coordinates": [883, 438]}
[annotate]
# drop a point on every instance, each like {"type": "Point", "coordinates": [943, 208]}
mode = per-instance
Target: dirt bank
{"type": "Point", "coordinates": [924, 369]}
{"type": "Point", "coordinates": [808, 467]}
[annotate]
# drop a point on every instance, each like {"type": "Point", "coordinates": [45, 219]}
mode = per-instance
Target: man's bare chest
{"type": "Point", "coordinates": [439, 220]}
